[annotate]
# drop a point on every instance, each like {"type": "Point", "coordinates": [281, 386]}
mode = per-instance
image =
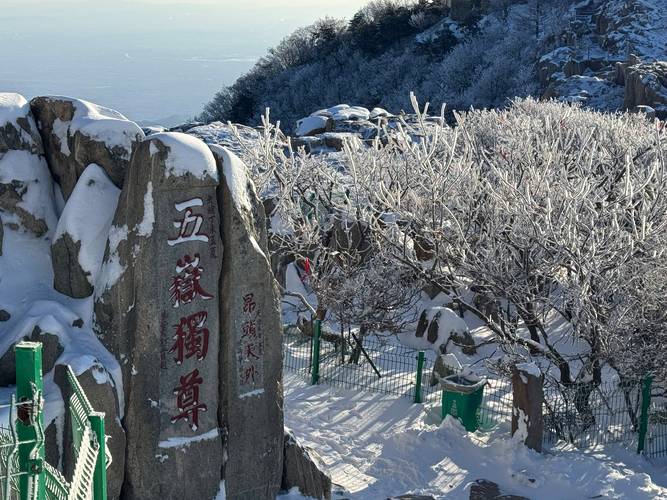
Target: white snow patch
{"type": "Point", "coordinates": [236, 176]}
{"type": "Point", "coordinates": [87, 217]}
{"type": "Point", "coordinates": [12, 107]}
{"type": "Point", "coordinates": [251, 394]}
{"type": "Point", "coordinates": [448, 323]}
{"type": "Point", "coordinates": [179, 442]}
{"type": "Point", "coordinates": [145, 228]}
{"type": "Point", "coordinates": [61, 130]}
{"type": "Point", "coordinates": [112, 269]}
{"type": "Point", "coordinates": [187, 155]}
{"type": "Point", "coordinates": [311, 124]}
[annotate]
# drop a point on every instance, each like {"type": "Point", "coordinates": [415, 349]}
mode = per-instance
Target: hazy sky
{"type": "Point", "coordinates": [149, 59]}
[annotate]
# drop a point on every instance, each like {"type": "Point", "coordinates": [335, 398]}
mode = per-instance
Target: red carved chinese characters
{"type": "Point", "coordinates": [187, 399]}
{"type": "Point", "coordinates": [191, 338]}
{"type": "Point", "coordinates": [189, 227]}
{"type": "Point", "coordinates": [186, 285]}
{"type": "Point", "coordinates": [249, 303]}
{"type": "Point", "coordinates": [186, 291]}
{"type": "Point", "coordinates": [250, 346]}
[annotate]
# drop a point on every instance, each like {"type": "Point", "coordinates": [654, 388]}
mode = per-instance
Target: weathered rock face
{"type": "Point", "coordinates": [96, 384]}
{"type": "Point", "coordinates": [77, 133]}
{"type": "Point", "coordinates": [646, 85]}
{"type": "Point", "coordinates": [157, 311]}
{"type": "Point", "coordinates": [26, 187]}
{"type": "Point", "coordinates": [302, 469]}
{"type": "Point", "coordinates": [51, 351]}
{"type": "Point", "coordinates": [81, 234]}
{"type": "Point", "coordinates": [251, 384]}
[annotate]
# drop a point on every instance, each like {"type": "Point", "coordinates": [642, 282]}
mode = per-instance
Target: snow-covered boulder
{"type": "Point", "coordinates": [77, 133]}
{"type": "Point", "coordinates": [78, 247]}
{"type": "Point", "coordinates": [26, 186]}
{"type": "Point", "coordinates": [352, 113]}
{"type": "Point", "coordinates": [251, 383]}
{"type": "Point", "coordinates": [157, 310]}
{"type": "Point", "coordinates": [436, 329]}
{"type": "Point", "coordinates": [378, 113]}
{"type": "Point", "coordinates": [313, 125]}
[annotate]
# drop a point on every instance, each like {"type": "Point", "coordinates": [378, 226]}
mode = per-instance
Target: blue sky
{"type": "Point", "coordinates": [150, 59]}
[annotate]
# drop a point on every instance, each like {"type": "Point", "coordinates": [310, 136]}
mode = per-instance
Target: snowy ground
{"type": "Point", "coordinates": [375, 446]}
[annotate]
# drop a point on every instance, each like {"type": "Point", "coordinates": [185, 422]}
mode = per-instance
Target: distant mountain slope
{"type": "Point", "coordinates": [463, 53]}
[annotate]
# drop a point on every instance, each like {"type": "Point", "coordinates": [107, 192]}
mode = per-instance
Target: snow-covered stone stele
{"type": "Point", "coordinates": [157, 310]}
{"type": "Point", "coordinates": [251, 384]}
{"type": "Point", "coordinates": [81, 234]}
{"type": "Point", "coordinates": [26, 187]}
{"type": "Point", "coordinates": [77, 133]}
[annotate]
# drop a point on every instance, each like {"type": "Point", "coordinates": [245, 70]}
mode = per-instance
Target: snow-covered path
{"type": "Point", "coordinates": [375, 446]}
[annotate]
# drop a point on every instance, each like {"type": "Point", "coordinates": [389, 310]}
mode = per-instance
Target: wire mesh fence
{"type": "Point", "coordinates": [583, 415]}
{"type": "Point", "coordinates": [379, 364]}
{"type": "Point", "coordinates": [656, 438]}
{"type": "Point", "coordinates": [587, 415]}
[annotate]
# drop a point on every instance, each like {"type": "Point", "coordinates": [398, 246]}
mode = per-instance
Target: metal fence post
{"type": "Point", "coordinates": [30, 420]}
{"type": "Point", "coordinates": [100, 475]}
{"type": "Point", "coordinates": [643, 422]}
{"type": "Point", "coordinates": [418, 383]}
{"type": "Point", "coordinates": [315, 372]}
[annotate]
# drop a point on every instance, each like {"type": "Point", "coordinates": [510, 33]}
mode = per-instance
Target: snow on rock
{"type": "Point", "coordinates": [26, 186]}
{"type": "Point", "coordinates": [236, 138]}
{"type": "Point", "coordinates": [313, 125]}
{"type": "Point", "coordinates": [236, 177]}
{"type": "Point", "coordinates": [378, 113]}
{"type": "Point", "coordinates": [352, 113]}
{"type": "Point", "coordinates": [77, 133]}
{"type": "Point", "coordinates": [12, 108]}
{"type": "Point", "coordinates": [82, 232]}
{"type": "Point", "coordinates": [186, 155]}
{"type": "Point", "coordinates": [437, 326]}
{"type": "Point", "coordinates": [530, 369]}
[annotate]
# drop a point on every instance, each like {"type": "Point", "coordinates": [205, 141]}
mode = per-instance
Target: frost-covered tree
{"type": "Point", "coordinates": [554, 217]}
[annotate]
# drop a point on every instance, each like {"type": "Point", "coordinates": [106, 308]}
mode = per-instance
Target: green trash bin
{"type": "Point", "coordinates": [462, 397]}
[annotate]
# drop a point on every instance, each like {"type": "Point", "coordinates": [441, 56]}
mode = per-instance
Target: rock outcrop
{"type": "Point", "coordinates": [26, 187]}
{"type": "Point", "coordinates": [302, 469]}
{"type": "Point", "coordinates": [251, 353]}
{"type": "Point", "coordinates": [156, 310]}
{"type": "Point", "coordinates": [77, 133]}
{"type": "Point", "coordinates": [81, 234]}
{"type": "Point", "coordinates": [646, 85]}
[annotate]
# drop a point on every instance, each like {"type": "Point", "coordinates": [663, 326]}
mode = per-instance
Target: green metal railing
{"type": "Point", "coordinates": [24, 472]}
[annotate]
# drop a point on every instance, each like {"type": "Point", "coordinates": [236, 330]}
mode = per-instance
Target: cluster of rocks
{"type": "Point", "coordinates": [611, 58]}
{"type": "Point", "coordinates": [167, 238]}
{"type": "Point", "coordinates": [329, 130]}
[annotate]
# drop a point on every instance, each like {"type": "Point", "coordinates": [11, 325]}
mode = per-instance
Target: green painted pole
{"type": "Point", "coordinates": [30, 421]}
{"type": "Point", "coordinates": [420, 369]}
{"type": "Point", "coordinates": [100, 476]}
{"type": "Point", "coordinates": [315, 372]}
{"type": "Point", "coordinates": [646, 404]}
